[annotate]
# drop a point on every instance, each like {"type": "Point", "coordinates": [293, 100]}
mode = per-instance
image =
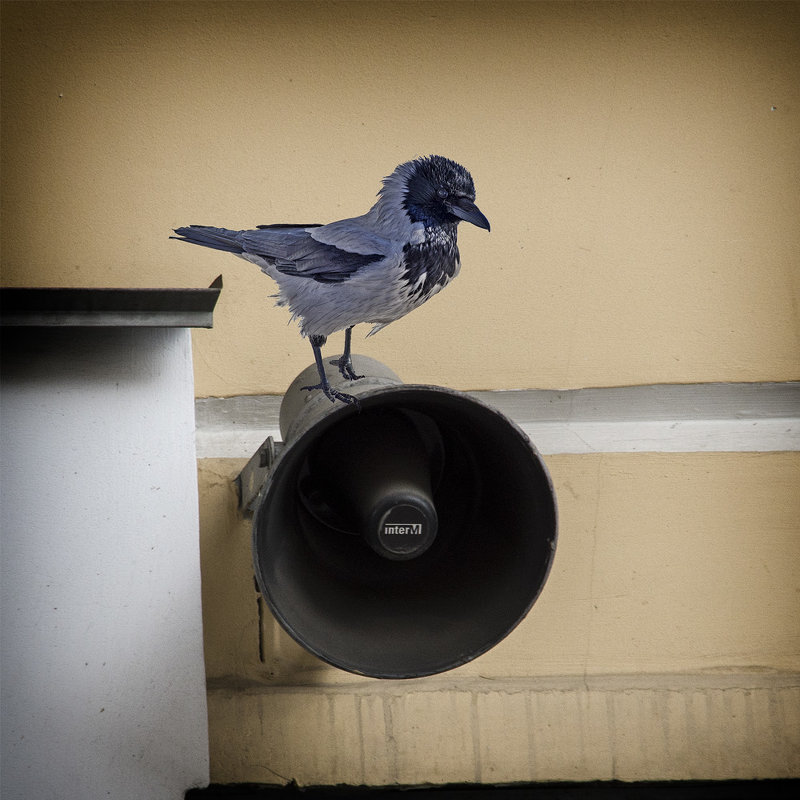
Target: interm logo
{"type": "Point", "coordinates": [413, 529]}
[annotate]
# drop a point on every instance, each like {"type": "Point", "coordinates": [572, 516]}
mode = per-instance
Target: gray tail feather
{"type": "Point", "coordinates": [216, 238]}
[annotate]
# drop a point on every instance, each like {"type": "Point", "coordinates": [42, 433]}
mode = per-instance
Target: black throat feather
{"type": "Point", "coordinates": [436, 259]}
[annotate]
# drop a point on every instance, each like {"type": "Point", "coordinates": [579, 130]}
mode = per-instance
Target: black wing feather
{"type": "Point", "coordinates": [293, 251]}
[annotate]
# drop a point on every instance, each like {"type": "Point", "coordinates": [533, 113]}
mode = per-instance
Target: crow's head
{"type": "Point", "coordinates": [437, 191]}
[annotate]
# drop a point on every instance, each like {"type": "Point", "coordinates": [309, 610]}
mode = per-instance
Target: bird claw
{"type": "Point", "coordinates": [334, 394]}
{"type": "Point", "coordinates": [345, 366]}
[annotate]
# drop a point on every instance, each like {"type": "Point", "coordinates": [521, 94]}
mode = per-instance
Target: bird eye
{"type": "Point", "coordinates": [441, 193]}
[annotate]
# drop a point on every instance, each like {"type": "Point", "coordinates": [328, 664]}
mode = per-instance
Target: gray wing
{"type": "Point", "coordinates": [293, 250]}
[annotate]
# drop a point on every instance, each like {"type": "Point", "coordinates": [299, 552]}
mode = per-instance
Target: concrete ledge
{"type": "Point", "coordinates": [628, 728]}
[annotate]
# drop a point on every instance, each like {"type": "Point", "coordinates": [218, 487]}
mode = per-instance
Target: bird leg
{"type": "Point", "coordinates": [345, 362]}
{"type": "Point", "coordinates": [329, 391]}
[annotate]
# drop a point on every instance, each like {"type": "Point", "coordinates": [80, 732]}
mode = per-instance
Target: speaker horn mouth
{"type": "Point", "coordinates": [343, 566]}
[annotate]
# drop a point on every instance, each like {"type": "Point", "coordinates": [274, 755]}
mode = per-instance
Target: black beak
{"type": "Point", "coordinates": [464, 208]}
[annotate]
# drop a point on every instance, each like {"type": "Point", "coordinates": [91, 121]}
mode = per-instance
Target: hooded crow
{"type": "Point", "coordinates": [374, 268]}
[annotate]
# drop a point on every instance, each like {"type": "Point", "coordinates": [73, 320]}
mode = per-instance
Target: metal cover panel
{"type": "Point", "coordinates": [159, 308]}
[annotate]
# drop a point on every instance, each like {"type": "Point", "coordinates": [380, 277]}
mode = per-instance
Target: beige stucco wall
{"type": "Point", "coordinates": [665, 645]}
{"type": "Point", "coordinates": [642, 190]}
{"type": "Point", "coordinates": [640, 165]}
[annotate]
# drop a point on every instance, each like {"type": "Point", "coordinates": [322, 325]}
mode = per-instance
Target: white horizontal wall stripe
{"type": "Point", "coordinates": [730, 417]}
